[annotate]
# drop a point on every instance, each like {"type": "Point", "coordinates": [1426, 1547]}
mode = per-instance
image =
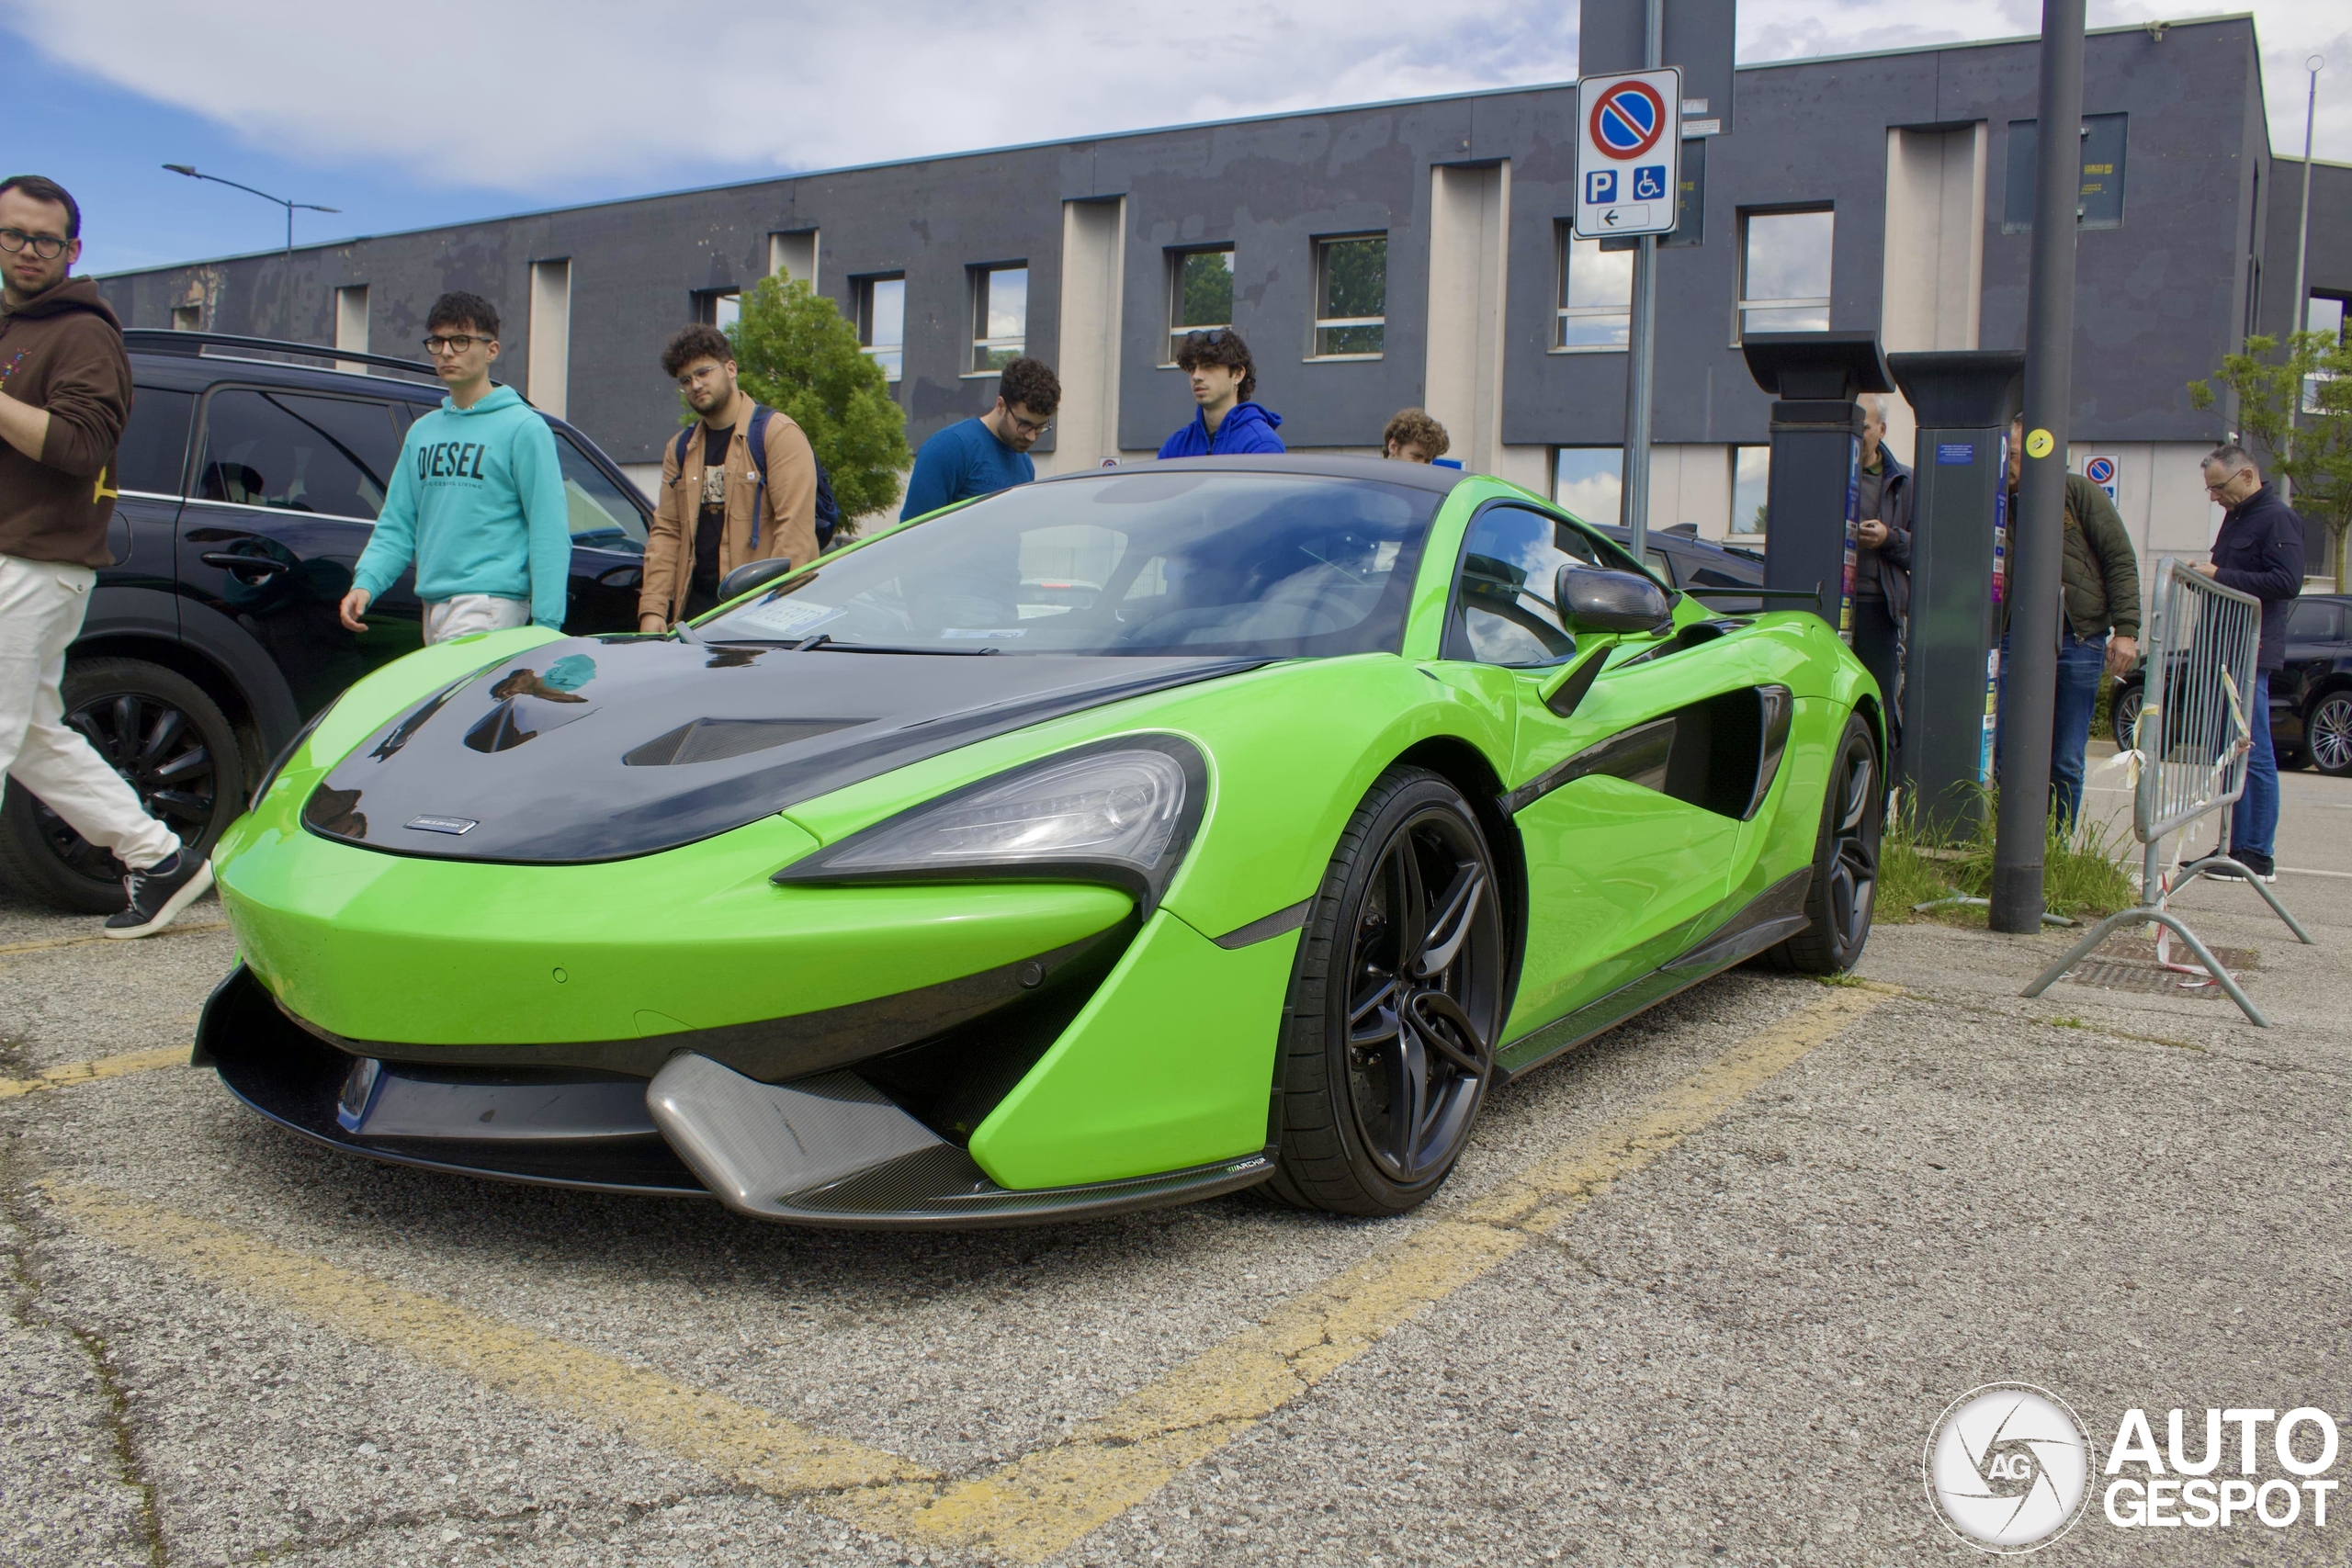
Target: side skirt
{"type": "Point", "coordinates": [1770, 918]}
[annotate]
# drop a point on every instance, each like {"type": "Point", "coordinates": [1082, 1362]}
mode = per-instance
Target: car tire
{"type": "Point", "coordinates": [1389, 1037]}
{"type": "Point", "coordinates": [168, 738]}
{"type": "Point", "coordinates": [2327, 733]}
{"type": "Point", "coordinates": [1838, 902]}
{"type": "Point", "coordinates": [2124, 712]}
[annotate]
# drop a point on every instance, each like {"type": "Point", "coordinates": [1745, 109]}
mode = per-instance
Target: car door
{"type": "Point", "coordinates": [285, 492]}
{"type": "Point", "coordinates": [1616, 867]}
{"type": "Point", "coordinates": [2314, 630]}
{"type": "Point", "coordinates": [149, 463]}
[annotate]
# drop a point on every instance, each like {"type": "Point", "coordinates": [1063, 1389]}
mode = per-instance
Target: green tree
{"type": "Point", "coordinates": [797, 355]}
{"type": "Point", "coordinates": [2316, 453]}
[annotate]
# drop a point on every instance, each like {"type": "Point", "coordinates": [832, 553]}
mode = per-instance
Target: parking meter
{"type": "Point", "coordinates": [1959, 535]}
{"type": "Point", "coordinates": [1812, 495]}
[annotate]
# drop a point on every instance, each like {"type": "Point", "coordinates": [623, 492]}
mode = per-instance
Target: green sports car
{"type": "Point", "coordinates": [1119, 840]}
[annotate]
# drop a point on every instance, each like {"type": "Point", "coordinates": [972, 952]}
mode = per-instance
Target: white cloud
{"type": "Point", "coordinates": [524, 94]}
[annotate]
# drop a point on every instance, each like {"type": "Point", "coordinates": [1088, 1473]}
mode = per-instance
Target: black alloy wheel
{"type": "Point", "coordinates": [1844, 890]}
{"type": "Point", "coordinates": [2327, 734]}
{"type": "Point", "coordinates": [1396, 1005]}
{"type": "Point", "coordinates": [167, 740]}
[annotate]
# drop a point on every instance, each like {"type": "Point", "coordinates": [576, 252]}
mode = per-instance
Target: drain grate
{"type": "Point", "coordinates": [2129, 964]}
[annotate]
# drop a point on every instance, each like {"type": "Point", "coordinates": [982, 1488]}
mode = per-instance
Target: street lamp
{"type": "Point", "coordinates": [290, 206]}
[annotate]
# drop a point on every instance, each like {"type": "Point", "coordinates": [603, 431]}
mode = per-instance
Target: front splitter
{"type": "Point", "coordinates": [828, 1151]}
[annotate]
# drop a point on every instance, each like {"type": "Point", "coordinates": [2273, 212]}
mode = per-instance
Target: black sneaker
{"type": "Point", "coordinates": [158, 895]}
{"type": "Point", "coordinates": [2208, 865]}
{"type": "Point", "coordinates": [2265, 869]}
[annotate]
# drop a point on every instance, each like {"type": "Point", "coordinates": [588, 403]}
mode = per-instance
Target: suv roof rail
{"type": "Point", "coordinates": [166, 340]}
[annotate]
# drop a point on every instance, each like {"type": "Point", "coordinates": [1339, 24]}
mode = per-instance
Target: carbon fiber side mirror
{"type": "Point", "coordinates": [1592, 599]}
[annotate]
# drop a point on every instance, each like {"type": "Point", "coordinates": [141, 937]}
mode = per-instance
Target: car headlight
{"type": "Point", "coordinates": [1122, 811]}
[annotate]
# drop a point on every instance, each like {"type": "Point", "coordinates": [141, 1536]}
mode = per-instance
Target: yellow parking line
{"type": "Point", "coordinates": [1048, 1501]}
{"type": "Point", "coordinates": [73, 1073]}
{"type": "Point", "coordinates": [729, 1440]}
{"type": "Point", "coordinates": [179, 928]}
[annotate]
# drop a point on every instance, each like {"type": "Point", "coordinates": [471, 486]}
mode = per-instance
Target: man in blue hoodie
{"type": "Point", "coordinates": [477, 501]}
{"type": "Point", "coordinates": [1226, 421]}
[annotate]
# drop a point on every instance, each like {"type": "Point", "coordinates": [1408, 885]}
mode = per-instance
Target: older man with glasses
{"type": "Point", "coordinates": [981, 457]}
{"type": "Point", "coordinates": [65, 394]}
{"type": "Point", "coordinates": [2259, 551]}
{"type": "Point", "coordinates": [476, 504]}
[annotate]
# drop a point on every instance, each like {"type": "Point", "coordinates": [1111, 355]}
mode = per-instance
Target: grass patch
{"type": "Point", "coordinates": [2082, 876]}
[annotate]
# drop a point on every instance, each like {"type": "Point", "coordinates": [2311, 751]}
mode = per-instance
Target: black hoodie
{"type": "Point", "coordinates": [63, 350]}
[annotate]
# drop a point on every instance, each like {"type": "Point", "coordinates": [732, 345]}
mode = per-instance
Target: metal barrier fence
{"type": "Point", "coordinates": [2190, 751]}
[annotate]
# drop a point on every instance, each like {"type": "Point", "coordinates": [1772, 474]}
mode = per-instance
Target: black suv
{"type": "Point", "coordinates": [250, 476]}
{"type": "Point", "coordinates": [2311, 699]}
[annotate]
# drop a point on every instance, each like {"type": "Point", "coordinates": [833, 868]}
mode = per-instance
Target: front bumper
{"type": "Point", "coordinates": [827, 1149]}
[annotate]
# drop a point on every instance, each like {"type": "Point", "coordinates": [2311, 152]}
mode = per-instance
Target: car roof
{"type": "Point", "coordinates": [194, 361]}
{"type": "Point", "coordinates": [1377, 471]}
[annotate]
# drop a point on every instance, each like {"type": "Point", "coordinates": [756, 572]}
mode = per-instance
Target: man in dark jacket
{"type": "Point", "coordinates": [1883, 565]}
{"type": "Point", "coordinates": [2259, 551]}
{"type": "Point", "coordinates": [64, 393]}
{"type": "Point", "coordinates": [1225, 421]}
{"type": "Point", "coordinates": [2099, 623]}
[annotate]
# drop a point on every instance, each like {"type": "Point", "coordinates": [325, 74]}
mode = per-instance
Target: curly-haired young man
{"type": "Point", "coordinates": [981, 457]}
{"type": "Point", "coordinates": [1224, 418]}
{"type": "Point", "coordinates": [1413, 436]}
{"type": "Point", "coordinates": [721, 506]}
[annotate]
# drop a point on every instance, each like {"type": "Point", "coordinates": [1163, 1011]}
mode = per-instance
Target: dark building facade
{"type": "Point", "coordinates": [1416, 252]}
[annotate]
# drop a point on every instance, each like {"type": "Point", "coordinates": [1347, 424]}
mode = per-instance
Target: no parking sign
{"type": "Point", "coordinates": [2100, 471]}
{"type": "Point", "coordinates": [1629, 148]}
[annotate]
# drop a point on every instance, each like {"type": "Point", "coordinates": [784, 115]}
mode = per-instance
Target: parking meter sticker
{"type": "Point", "coordinates": [1956, 453]}
{"type": "Point", "coordinates": [2038, 444]}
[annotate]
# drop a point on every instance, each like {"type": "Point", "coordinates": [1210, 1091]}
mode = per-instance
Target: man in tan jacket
{"type": "Point", "coordinates": [716, 511]}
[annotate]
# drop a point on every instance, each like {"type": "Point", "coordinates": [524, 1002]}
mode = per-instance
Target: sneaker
{"type": "Point", "coordinates": [2207, 865]}
{"type": "Point", "coordinates": [157, 894]}
{"type": "Point", "coordinates": [2265, 869]}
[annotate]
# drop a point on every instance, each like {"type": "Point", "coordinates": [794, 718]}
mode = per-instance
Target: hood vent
{"type": "Point", "coordinates": [716, 739]}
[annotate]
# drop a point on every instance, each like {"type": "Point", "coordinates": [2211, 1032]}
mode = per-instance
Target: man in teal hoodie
{"type": "Point", "coordinates": [478, 501]}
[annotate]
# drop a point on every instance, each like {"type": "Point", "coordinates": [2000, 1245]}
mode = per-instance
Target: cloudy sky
{"type": "Point", "coordinates": [439, 110]}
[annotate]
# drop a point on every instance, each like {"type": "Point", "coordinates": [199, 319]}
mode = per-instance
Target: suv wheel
{"type": "Point", "coordinates": [2327, 733]}
{"type": "Point", "coordinates": [171, 743]}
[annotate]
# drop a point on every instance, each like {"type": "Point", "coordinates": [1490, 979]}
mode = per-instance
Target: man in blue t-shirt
{"type": "Point", "coordinates": [981, 457]}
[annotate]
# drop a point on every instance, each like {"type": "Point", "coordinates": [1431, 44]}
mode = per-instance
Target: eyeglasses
{"type": "Point", "coordinates": [1026, 427]}
{"type": "Point", "coordinates": [48, 247]}
{"type": "Point", "coordinates": [457, 344]}
{"type": "Point", "coordinates": [2225, 484]}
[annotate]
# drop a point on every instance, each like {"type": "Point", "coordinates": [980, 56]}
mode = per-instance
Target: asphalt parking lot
{"type": "Point", "coordinates": [1697, 1295]}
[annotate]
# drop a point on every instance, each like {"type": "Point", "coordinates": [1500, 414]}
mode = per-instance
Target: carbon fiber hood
{"type": "Point", "coordinates": [597, 748]}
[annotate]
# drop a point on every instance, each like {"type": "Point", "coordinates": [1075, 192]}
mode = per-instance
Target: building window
{"type": "Point", "coordinates": [721, 308]}
{"type": "Point", "coordinates": [1588, 483]}
{"type": "Point", "coordinates": [1200, 293]}
{"type": "Point", "coordinates": [1596, 297]}
{"type": "Point", "coordinates": [882, 321]}
{"type": "Point", "coordinates": [1000, 317]}
{"type": "Point", "coordinates": [1785, 271]}
{"type": "Point", "coordinates": [1751, 474]}
{"type": "Point", "coordinates": [2322, 313]}
{"type": "Point", "coordinates": [187, 318]}
{"type": "Point", "coordinates": [1351, 296]}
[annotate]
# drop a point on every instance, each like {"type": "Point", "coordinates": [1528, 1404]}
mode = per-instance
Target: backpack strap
{"type": "Point", "coordinates": [683, 437]}
{"type": "Point", "coordinates": [761, 414]}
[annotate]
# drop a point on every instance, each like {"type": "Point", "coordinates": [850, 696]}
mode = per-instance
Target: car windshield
{"type": "Point", "coordinates": [1257, 565]}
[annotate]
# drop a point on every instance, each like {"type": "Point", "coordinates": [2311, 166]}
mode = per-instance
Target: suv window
{"type": "Point", "coordinates": [294, 452]}
{"type": "Point", "coordinates": [2314, 620]}
{"type": "Point", "coordinates": [602, 517]}
{"type": "Point", "coordinates": [152, 453]}
{"type": "Point", "coordinates": [1503, 612]}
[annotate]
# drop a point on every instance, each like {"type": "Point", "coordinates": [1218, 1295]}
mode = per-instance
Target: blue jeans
{"type": "Point", "coordinates": [2080, 663]}
{"type": "Point", "coordinates": [2253, 821]}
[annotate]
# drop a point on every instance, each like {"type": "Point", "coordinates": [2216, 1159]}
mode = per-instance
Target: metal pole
{"type": "Point", "coordinates": [2301, 317]}
{"type": "Point", "coordinates": [1634, 507]}
{"type": "Point", "coordinates": [2031, 664]}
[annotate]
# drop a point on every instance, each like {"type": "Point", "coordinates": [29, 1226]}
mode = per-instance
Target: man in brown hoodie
{"type": "Point", "coordinates": [65, 393]}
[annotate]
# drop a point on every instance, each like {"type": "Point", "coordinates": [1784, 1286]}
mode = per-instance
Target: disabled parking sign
{"type": "Point", "coordinates": [1629, 147]}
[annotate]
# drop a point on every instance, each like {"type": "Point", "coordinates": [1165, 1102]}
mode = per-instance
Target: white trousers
{"type": "Point", "coordinates": [462, 615]}
{"type": "Point", "coordinates": [42, 605]}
